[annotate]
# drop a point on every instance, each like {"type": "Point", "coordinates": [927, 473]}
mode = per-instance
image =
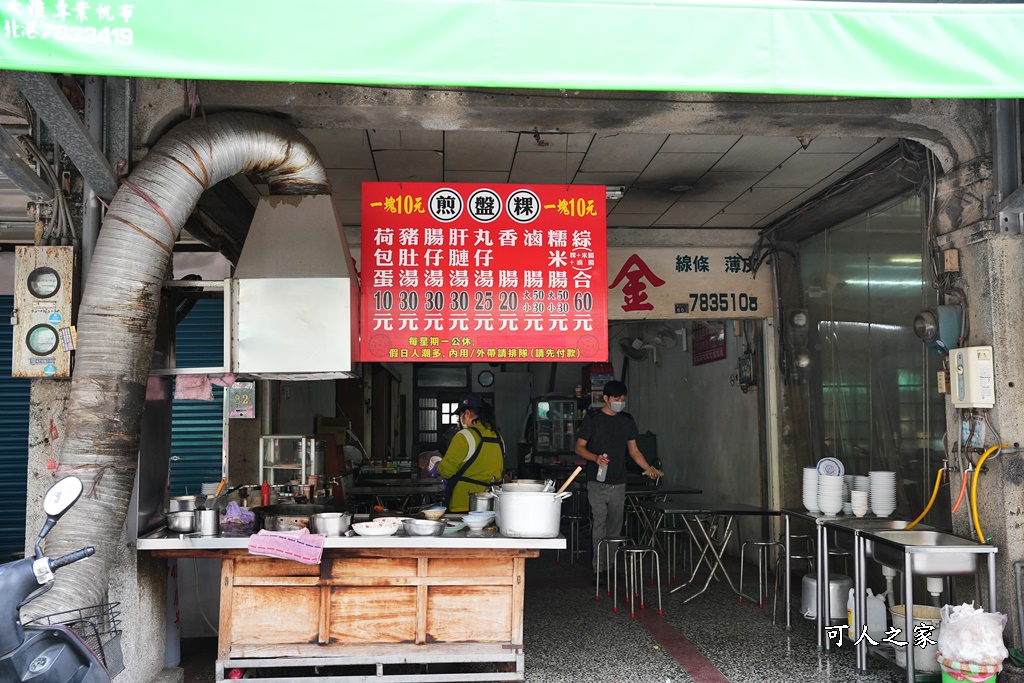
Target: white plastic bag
{"type": "Point", "coordinates": [970, 634]}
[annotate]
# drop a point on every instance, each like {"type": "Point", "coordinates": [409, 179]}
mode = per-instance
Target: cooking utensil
{"type": "Point", "coordinates": [481, 502]}
{"type": "Point", "coordinates": [289, 517]}
{"type": "Point", "coordinates": [529, 514]}
{"type": "Point", "coordinates": [207, 522]}
{"type": "Point", "coordinates": [569, 480]}
{"type": "Point", "coordinates": [181, 521]}
{"type": "Point", "coordinates": [181, 504]}
{"type": "Point", "coordinates": [330, 523]}
{"type": "Point", "coordinates": [223, 482]}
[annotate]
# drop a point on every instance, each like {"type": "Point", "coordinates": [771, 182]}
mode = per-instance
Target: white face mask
{"type": "Point", "coordinates": [618, 406]}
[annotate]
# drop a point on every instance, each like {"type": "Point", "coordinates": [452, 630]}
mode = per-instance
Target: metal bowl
{"type": "Point", "coordinates": [423, 527]}
{"type": "Point", "coordinates": [182, 522]}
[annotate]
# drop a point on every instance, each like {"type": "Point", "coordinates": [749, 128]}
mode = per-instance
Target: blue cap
{"type": "Point", "coordinates": [469, 401]}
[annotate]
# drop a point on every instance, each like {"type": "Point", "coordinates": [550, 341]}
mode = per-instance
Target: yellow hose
{"type": "Point", "coordinates": [935, 494]}
{"type": "Point", "coordinates": [974, 492]}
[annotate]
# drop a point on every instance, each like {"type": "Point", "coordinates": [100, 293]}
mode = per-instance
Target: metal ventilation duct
{"type": "Point", "coordinates": [295, 302]}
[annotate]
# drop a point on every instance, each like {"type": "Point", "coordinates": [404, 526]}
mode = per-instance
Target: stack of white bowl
{"type": "Point", "coordinates": [830, 494]}
{"type": "Point", "coordinates": [882, 492]}
{"type": "Point", "coordinates": [810, 489]}
{"type": "Point", "coordinates": [861, 483]}
{"type": "Point", "coordinates": [859, 502]}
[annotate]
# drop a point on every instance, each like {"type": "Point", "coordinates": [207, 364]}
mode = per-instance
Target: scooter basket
{"type": "Point", "coordinates": [96, 625]}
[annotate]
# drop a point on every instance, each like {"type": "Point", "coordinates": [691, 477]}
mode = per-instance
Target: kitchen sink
{"type": "Point", "coordinates": [941, 561]}
{"type": "Point", "coordinates": [844, 541]}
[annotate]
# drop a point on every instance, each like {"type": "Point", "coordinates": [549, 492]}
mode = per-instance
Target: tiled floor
{"type": "Point", "coordinates": [570, 638]}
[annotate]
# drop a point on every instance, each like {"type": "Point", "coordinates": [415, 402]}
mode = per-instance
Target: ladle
{"type": "Point", "coordinates": [569, 480]}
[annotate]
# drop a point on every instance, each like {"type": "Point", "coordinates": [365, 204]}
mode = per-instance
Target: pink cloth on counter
{"type": "Point", "coordinates": [299, 545]}
{"type": "Point", "coordinates": [194, 387]}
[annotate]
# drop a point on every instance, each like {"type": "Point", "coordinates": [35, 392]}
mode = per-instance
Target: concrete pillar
{"type": "Point", "coordinates": [137, 580]}
{"type": "Point", "coordinates": [992, 265]}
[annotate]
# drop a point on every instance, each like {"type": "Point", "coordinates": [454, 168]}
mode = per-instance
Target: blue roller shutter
{"type": "Point", "coordinates": [197, 426]}
{"type": "Point", "coordinates": [14, 397]}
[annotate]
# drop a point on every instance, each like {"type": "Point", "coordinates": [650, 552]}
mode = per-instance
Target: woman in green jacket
{"type": "Point", "coordinates": [476, 455]}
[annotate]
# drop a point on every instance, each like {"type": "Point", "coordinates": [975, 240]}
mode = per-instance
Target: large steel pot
{"type": "Point", "coordinates": [529, 514]}
{"type": "Point", "coordinates": [289, 517]}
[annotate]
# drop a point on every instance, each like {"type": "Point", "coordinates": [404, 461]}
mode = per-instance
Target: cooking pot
{"type": "Point", "coordinates": [207, 522]}
{"type": "Point", "coordinates": [289, 517]}
{"type": "Point", "coordinates": [481, 502]}
{"type": "Point", "coordinates": [529, 514]}
{"type": "Point", "coordinates": [181, 504]}
{"type": "Point", "coordinates": [330, 523]}
{"type": "Point", "coordinates": [528, 485]}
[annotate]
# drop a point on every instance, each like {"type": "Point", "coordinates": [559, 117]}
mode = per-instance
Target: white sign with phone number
{"type": "Point", "coordinates": [687, 283]}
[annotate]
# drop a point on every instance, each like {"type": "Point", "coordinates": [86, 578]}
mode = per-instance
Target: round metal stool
{"type": "Point", "coordinates": [839, 552]}
{"type": "Point", "coordinates": [763, 548]}
{"type": "Point", "coordinates": [633, 567]}
{"type": "Point", "coordinates": [606, 544]}
{"type": "Point", "coordinates": [669, 543]}
{"type": "Point", "coordinates": [576, 524]}
{"type": "Point", "coordinates": [805, 554]}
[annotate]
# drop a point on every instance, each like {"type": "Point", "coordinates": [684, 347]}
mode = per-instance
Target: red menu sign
{"type": "Point", "coordinates": [461, 272]}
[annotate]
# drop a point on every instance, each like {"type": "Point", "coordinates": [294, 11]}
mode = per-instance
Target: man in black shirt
{"type": "Point", "coordinates": [604, 439]}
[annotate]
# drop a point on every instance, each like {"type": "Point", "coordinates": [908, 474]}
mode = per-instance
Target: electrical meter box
{"type": "Point", "coordinates": [43, 335]}
{"type": "Point", "coordinates": [972, 377]}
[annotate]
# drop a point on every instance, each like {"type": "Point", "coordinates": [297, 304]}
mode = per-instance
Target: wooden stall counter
{"type": "Point", "coordinates": [413, 612]}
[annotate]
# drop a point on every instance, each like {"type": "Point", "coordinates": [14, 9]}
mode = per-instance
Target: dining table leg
{"type": "Point", "coordinates": [789, 582]}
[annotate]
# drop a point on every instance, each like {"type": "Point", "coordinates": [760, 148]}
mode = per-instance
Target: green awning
{"type": "Point", "coordinates": [750, 46]}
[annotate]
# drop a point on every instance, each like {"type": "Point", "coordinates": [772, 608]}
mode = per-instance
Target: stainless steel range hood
{"type": "Point", "coordinates": [295, 301]}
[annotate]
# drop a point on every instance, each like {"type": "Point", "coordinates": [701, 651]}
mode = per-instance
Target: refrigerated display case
{"type": "Point", "coordinates": [554, 422]}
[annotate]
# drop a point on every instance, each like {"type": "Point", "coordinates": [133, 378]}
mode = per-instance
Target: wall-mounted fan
{"type": "Point", "coordinates": [636, 349]}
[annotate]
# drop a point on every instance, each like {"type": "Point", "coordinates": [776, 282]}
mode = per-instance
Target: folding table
{"type": "Point", "coordinates": [697, 516]}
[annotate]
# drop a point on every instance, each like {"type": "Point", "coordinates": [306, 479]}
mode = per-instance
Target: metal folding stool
{"type": "Point", "coordinates": [633, 567]}
{"type": "Point", "coordinates": [808, 555]}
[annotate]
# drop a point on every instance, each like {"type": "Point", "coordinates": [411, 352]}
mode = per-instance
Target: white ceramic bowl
{"type": "Point", "coordinates": [374, 528]}
{"type": "Point", "coordinates": [477, 523]}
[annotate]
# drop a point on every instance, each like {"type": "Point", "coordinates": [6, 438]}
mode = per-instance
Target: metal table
{"type": "Point", "coordinates": [645, 520]}
{"type": "Point", "coordinates": [823, 524]}
{"type": "Point", "coordinates": [700, 514]}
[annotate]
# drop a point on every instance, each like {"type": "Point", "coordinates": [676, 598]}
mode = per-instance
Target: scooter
{"type": "Point", "coordinates": [43, 653]}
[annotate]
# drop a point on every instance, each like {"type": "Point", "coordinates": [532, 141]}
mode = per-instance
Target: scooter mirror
{"type": "Point", "coordinates": [61, 497]}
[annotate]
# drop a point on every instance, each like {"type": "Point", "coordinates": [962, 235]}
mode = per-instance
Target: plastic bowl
{"type": "Point", "coordinates": [434, 513]}
{"type": "Point", "coordinates": [423, 527]}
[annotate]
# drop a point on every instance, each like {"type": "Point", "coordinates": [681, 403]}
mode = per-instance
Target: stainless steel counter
{"type": "Point", "coordinates": [162, 539]}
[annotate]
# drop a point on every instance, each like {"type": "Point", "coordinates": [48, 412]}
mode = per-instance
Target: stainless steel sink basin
{"type": "Point", "coordinates": [941, 561]}
{"type": "Point", "coordinates": [844, 541]}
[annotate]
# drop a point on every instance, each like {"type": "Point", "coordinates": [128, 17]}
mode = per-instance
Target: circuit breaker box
{"type": "Point", "coordinates": [972, 377]}
{"type": "Point", "coordinates": [43, 290]}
